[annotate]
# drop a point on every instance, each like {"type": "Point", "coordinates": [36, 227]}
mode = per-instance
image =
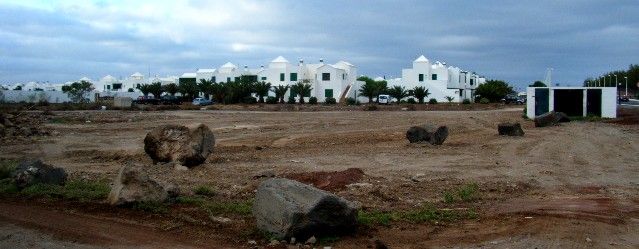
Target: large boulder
{"type": "Point", "coordinates": [510, 129]}
{"type": "Point", "coordinates": [133, 184]}
{"type": "Point", "coordinates": [551, 118]}
{"type": "Point", "coordinates": [189, 146]}
{"type": "Point", "coordinates": [427, 134]}
{"type": "Point", "coordinates": [287, 208]}
{"type": "Point", "coordinates": [35, 171]}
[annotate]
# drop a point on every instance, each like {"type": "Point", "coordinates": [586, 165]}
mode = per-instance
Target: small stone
{"type": "Point", "coordinates": [265, 173]}
{"type": "Point", "coordinates": [222, 220]}
{"type": "Point", "coordinates": [292, 240]}
{"type": "Point", "coordinates": [588, 240]}
{"type": "Point", "coordinates": [416, 178]}
{"type": "Point", "coordinates": [259, 148]}
{"type": "Point", "coordinates": [328, 247]}
{"type": "Point", "coordinates": [180, 167]}
{"type": "Point", "coordinates": [311, 240]}
{"type": "Point", "coordinates": [252, 242]}
{"type": "Point", "coordinates": [274, 243]}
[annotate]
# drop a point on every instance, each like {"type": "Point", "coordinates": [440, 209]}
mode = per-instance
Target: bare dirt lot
{"type": "Point", "coordinates": [569, 186]}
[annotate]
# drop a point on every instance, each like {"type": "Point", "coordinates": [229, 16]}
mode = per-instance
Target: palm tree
{"type": "Point", "coordinates": [205, 86]}
{"type": "Point", "coordinates": [420, 93]}
{"type": "Point", "coordinates": [368, 90]}
{"type": "Point", "coordinates": [302, 88]}
{"type": "Point", "coordinates": [398, 92]}
{"type": "Point", "coordinates": [219, 91]}
{"type": "Point", "coordinates": [450, 99]}
{"type": "Point", "coordinates": [156, 89]}
{"type": "Point", "coordinates": [144, 88]}
{"type": "Point", "coordinates": [280, 91]}
{"type": "Point", "coordinates": [188, 88]}
{"type": "Point", "coordinates": [171, 88]}
{"type": "Point", "coordinates": [261, 90]}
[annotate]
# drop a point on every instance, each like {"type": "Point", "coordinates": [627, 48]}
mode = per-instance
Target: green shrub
{"type": "Point", "coordinates": [351, 101]}
{"type": "Point", "coordinates": [271, 100]}
{"type": "Point", "coordinates": [468, 192]}
{"type": "Point", "coordinates": [466, 102]}
{"type": "Point", "coordinates": [432, 101]}
{"type": "Point", "coordinates": [484, 101]}
{"type": "Point", "coordinates": [291, 100]}
{"type": "Point", "coordinates": [7, 168]}
{"type": "Point", "coordinates": [204, 191]}
{"type": "Point", "coordinates": [8, 186]}
{"type": "Point", "coordinates": [312, 100]}
{"type": "Point", "coordinates": [232, 207]}
{"type": "Point", "coordinates": [43, 190]}
{"type": "Point", "coordinates": [411, 101]}
{"type": "Point", "coordinates": [449, 197]}
{"type": "Point", "coordinates": [374, 218]}
{"type": "Point", "coordinates": [86, 190]}
{"type": "Point", "coordinates": [330, 101]}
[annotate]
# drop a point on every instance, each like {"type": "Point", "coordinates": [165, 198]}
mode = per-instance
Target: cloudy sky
{"type": "Point", "coordinates": [515, 41]}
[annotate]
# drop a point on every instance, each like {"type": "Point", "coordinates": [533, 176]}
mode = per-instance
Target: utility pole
{"type": "Point", "coordinates": [626, 85]}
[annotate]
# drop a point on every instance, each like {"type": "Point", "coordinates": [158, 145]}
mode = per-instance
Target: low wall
{"type": "Point", "coordinates": [15, 96]}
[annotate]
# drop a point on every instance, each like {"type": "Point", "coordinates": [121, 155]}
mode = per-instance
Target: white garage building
{"type": "Point", "coordinates": [574, 101]}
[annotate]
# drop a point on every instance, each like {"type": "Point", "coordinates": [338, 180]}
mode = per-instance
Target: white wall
{"type": "Point", "coordinates": [608, 100]}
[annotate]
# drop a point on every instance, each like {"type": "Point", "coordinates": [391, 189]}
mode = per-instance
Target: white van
{"type": "Point", "coordinates": [383, 99]}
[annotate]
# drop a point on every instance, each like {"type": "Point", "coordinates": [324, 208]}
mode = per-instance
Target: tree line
{"type": "Point", "coordinates": [608, 79]}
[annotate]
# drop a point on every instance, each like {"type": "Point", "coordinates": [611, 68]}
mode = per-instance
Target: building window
{"type": "Point", "coordinates": [434, 76]}
{"type": "Point", "coordinates": [282, 77]}
{"type": "Point", "coordinates": [343, 76]}
{"type": "Point", "coordinates": [421, 77]}
{"type": "Point", "coordinates": [293, 76]}
{"type": "Point", "coordinates": [472, 81]}
{"type": "Point", "coordinates": [228, 79]}
{"type": "Point", "coordinates": [213, 79]}
{"type": "Point", "coordinates": [263, 78]}
{"type": "Point", "coordinates": [108, 87]}
{"type": "Point", "coordinates": [328, 93]}
{"type": "Point", "coordinates": [326, 76]}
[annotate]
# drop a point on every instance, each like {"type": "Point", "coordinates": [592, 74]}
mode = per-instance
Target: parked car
{"type": "Point", "coordinates": [624, 98]}
{"type": "Point", "coordinates": [202, 102]}
{"type": "Point", "coordinates": [170, 100]}
{"type": "Point", "coordinates": [383, 99]}
{"type": "Point", "coordinates": [146, 100]}
{"type": "Point", "coordinates": [513, 99]}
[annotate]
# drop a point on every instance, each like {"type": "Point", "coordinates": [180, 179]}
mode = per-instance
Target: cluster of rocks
{"type": "Point", "coordinates": [26, 125]}
{"type": "Point", "coordinates": [427, 134]}
{"type": "Point", "coordinates": [32, 172]}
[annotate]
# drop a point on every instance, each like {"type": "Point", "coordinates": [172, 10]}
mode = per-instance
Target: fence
{"type": "Point", "coordinates": [15, 96]}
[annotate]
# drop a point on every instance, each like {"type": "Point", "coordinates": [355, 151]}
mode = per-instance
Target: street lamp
{"type": "Point", "coordinates": [626, 85]}
{"type": "Point", "coordinates": [610, 75]}
{"type": "Point", "coordinates": [616, 80]}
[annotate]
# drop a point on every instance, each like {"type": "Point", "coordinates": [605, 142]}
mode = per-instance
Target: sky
{"type": "Point", "coordinates": [515, 41]}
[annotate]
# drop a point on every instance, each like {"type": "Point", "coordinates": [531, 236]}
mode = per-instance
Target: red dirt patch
{"type": "Point", "coordinates": [334, 180]}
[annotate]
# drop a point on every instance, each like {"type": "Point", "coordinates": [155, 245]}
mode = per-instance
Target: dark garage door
{"type": "Point", "coordinates": [594, 102]}
{"type": "Point", "coordinates": [569, 101]}
{"type": "Point", "coordinates": [541, 101]}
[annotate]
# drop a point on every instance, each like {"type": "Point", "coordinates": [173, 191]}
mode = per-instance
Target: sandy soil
{"type": "Point", "coordinates": [569, 186]}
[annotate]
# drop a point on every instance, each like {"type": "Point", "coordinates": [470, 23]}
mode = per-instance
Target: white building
{"type": "Point", "coordinates": [573, 101]}
{"type": "Point", "coordinates": [440, 80]}
{"type": "Point", "coordinates": [327, 80]}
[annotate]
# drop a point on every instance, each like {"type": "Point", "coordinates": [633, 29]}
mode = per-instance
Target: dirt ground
{"type": "Point", "coordinates": [570, 186]}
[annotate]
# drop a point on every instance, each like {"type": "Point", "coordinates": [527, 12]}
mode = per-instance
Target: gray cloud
{"type": "Point", "coordinates": [511, 40]}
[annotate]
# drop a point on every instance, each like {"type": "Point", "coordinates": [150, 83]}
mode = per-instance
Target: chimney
{"type": "Point", "coordinates": [245, 66]}
{"type": "Point", "coordinates": [321, 60]}
{"type": "Point", "coordinates": [301, 61]}
{"type": "Point", "coordinates": [262, 66]}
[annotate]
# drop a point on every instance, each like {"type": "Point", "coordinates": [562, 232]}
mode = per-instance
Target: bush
{"type": "Point", "coordinates": [249, 100]}
{"type": "Point", "coordinates": [432, 101]}
{"type": "Point", "coordinates": [312, 100]}
{"type": "Point", "coordinates": [131, 90]}
{"type": "Point", "coordinates": [411, 101]}
{"type": "Point", "coordinates": [484, 101]}
{"type": "Point", "coordinates": [271, 100]}
{"type": "Point", "coordinates": [204, 190]}
{"type": "Point", "coordinates": [351, 101]}
{"type": "Point", "coordinates": [330, 101]}
{"type": "Point", "coordinates": [466, 102]}
{"type": "Point", "coordinates": [291, 100]}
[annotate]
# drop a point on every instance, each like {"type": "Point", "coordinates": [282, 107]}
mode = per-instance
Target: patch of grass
{"type": "Point", "coordinates": [190, 200]}
{"type": "Point", "coordinates": [375, 218]}
{"type": "Point", "coordinates": [328, 240]}
{"type": "Point", "coordinates": [589, 118]}
{"type": "Point", "coordinates": [43, 190]}
{"type": "Point", "coordinates": [7, 168]}
{"type": "Point", "coordinates": [218, 208]}
{"type": "Point", "coordinates": [85, 190]}
{"type": "Point", "coordinates": [204, 190]}
{"type": "Point", "coordinates": [468, 192]}
{"type": "Point", "coordinates": [8, 187]}
{"type": "Point", "coordinates": [431, 214]}
{"type": "Point", "coordinates": [151, 206]}
{"type": "Point", "coordinates": [449, 197]}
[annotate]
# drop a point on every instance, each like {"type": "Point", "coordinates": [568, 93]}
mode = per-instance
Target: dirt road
{"type": "Point", "coordinates": [591, 167]}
